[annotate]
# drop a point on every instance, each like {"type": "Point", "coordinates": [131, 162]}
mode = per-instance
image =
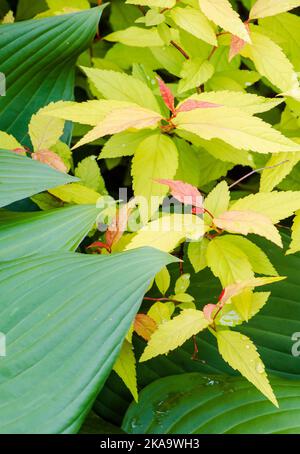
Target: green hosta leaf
{"type": "Point", "coordinates": [295, 243]}
{"type": "Point", "coordinates": [235, 127]}
{"type": "Point", "coordinates": [174, 333]}
{"type": "Point", "coordinates": [197, 254]}
{"type": "Point", "coordinates": [41, 232]}
{"type": "Point", "coordinates": [241, 354]}
{"type": "Point", "coordinates": [8, 142]}
{"type": "Point", "coordinates": [194, 21]}
{"type": "Point", "coordinates": [156, 157]}
{"type": "Point", "coordinates": [39, 58]}
{"type": "Point", "coordinates": [258, 259]}
{"type": "Point", "coordinates": [65, 333]}
{"type": "Point", "coordinates": [123, 144]}
{"type": "Point", "coordinates": [284, 163]}
{"type": "Point", "coordinates": [275, 205]}
{"type": "Point", "coordinates": [163, 280]}
{"type": "Point", "coordinates": [21, 177]}
{"type": "Point", "coordinates": [247, 102]}
{"type": "Point", "coordinates": [222, 14]}
{"type": "Point", "coordinates": [235, 407]}
{"type": "Point", "coordinates": [194, 73]}
{"type": "Point", "coordinates": [118, 86]}
{"type": "Point", "coordinates": [126, 369]}
{"type": "Point", "coordinates": [264, 8]}
{"type": "Point", "coordinates": [89, 174]}
{"type": "Point", "coordinates": [272, 63]}
{"type": "Point", "coordinates": [217, 201]}
{"type": "Point", "coordinates": [228, 262]}
{"type": "Point", "coordinates": [137, 37]}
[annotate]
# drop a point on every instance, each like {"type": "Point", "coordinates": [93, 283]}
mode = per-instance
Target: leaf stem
{"type": "Point", "coordinates": [255, 171]}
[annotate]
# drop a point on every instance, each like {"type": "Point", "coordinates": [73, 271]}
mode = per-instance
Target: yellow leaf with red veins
{"type": "Point", "coordinates": [246, 222]}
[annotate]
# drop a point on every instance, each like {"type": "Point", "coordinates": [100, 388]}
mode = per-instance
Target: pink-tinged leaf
{"type": "Point", "coordinates": [99, 245]}
{"type": "Point", "coordinates": [246, 222]}
{"type": "Point", "coordinates": [166, 95]}
{"type": "Point", "coordinates": [192, 104]}
{"type": "Point", "coordinates": [184, 192]}
{"type": "Point", "coordinates": [208, 311]}
{"type": "Point", "coordinates": [118, 226]}
{"type": "Point", "coordinates": [51, 159]}
{"type": "Point", "coordinates": [237, 44]}
{"type": "Point", "coordinates": [196, 210]}
{"type": "Point", "coordinates": [144, 326]}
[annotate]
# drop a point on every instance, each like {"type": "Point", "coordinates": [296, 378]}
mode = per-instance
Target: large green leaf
{"type": "Point", "coordinates": [65, 316]}
{"type": "Point", "coordinates": [43, 232]}
{"type": "Point", "coordinates": [199, 404]}
{"type": "Point", "coordinates": [22, 177]}
{"type": "Point", "coordinates": [38, 59]}
{"type": "Point", "coordinates": [271, 330]}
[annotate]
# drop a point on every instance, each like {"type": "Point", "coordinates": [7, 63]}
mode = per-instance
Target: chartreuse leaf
{"type": "Point", "coordinates": [230, 315]}
{"type": "Point", "coordinates": [126, 369]}
{"type": "Point", "coordinates": [163, 280]}
{"type": "Point", "coordinates": [137, 37]}
{"type": "Point", "coordinates": [114, 85]}
{"type": "Point", "coordinates": [89, 174]}
{"type": "Point", "coordinates": [247, 102]}
{"type": "Point", "coordinates": [76, 193]}
{"type": "Point", "coordinates": [174, 333]}
{"type": "Point", "coordinates": [197, 254]}
{"type": "Point", "coordinates": [217, 201]}
{"type": "Point", "coordinates": [153, 3]}
{"type": "Point", "coordinates": [194, 73]}
{"type": "Point", "coordinates": [228, 262]}
{"type": "Point", "coordinates": [241, 354]}
{"type": "Point", "coordinates": [194, 21]}
{"type": "Point", "coordinates": [275, 205]}
{"type": "Point", "coordinates": [161, 312]}
{"type": "Point", "coordinates": [246, 222]}
{"type": "Point", "coordinates": [258, 259]}
{"type": "Point", "coordinates": [265, 8]}
{"type": "Point", "coordinates": [235, 127]}
{"type": "Point", "coordinates": [272, 63]}
{"type": "Point", "coordinates": [8, 142]}
{"type": "Point", "coordinates": [41, 232]}
{"type": "Point", "coordinates": [39, 58]}
{"type": "Point", "coordinates": [295, 243]}
{"type": "Point", "coordinates": [284, 163]}
{"type": "Point", "coordinates": [45, 320]}
{"type": "Point", "coordinates": [21, 177]}
{"type": "Point", "coordinates": [44, 131]}
{"type": "Point", "coordinates": [123, 144]}
{"type": "Point", "coordinates": [225, 152]}
{"type": "Point", "coordinates": [156, 157]}
{"type": "Point", "coordinates": [235, 407]}
{"type": "Point", "coordinates": [168, 231]}
{"type": "Point", "coordinates": [222, 14]}
{"type": "Point", "coordinates": [182, 283]}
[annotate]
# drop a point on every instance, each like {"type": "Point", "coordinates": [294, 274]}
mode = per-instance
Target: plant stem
{"type": "Point", "coordinates": [186, 56]}
{"type": "Point", "coordinates": [255, 171]}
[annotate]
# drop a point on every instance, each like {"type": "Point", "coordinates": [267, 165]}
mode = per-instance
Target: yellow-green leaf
{"type": "Point", "coordinates": [174, 333]}
{"type": "Point", "coordinates": [168, 231]}
{"type": "Point", "coordinates": [120, 120]}
{"type": "Point", "coordinates": [89, 173]}
{"type": "Point", "coordinates": [241, 354]}
{"type": "Point", "coordinates": [275, 205]}
{"type": "Point", "coordinates": [137, 37]}
{"type": "Point", "coordinates": [153, 3]}
{"type": "Point", "coordinates": [284, 163]}
{"type": "Point", "coordinates": [162, 280]}
{"type": "Point", "coordinates": [272, 63]}
{"type": "Point", "coordinates": [194, 22]}
{"type": "Point", "coordinates": [125, 367]}
{"type": "Point", "coordinates": [194, 73]}
{"type": "Point", "coordinates": [197, 254]}
{"type": "Point", "coordinates": [295, 243]}
{"type": "Point", "coordinates": [228, 262]}
{"type": "Point", "coordinates": [44, 131]}
{"type": "Point", "coordinates": [222, 14]}
{"type": "Point", "coordinates": [217, 201]}
{"type": "Point", "coordinates": [75, 193]}
{"type": "Point", "coordinates": [182, 283]}
{"type": "Point", "coordinates": [265, 8]}
{"type": "Point", "coordinates": [246, 222]}
{"type": "Point", "coordinates": [161, 312]}
{"type": "Point", "coordinates": [8, 142]}
{"type": "Point", "coordinates": [156, 157]}
{"type": "Point", "coordinates": [231, 316]}
{"type": "Point", "coordinates": [235, 127]}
